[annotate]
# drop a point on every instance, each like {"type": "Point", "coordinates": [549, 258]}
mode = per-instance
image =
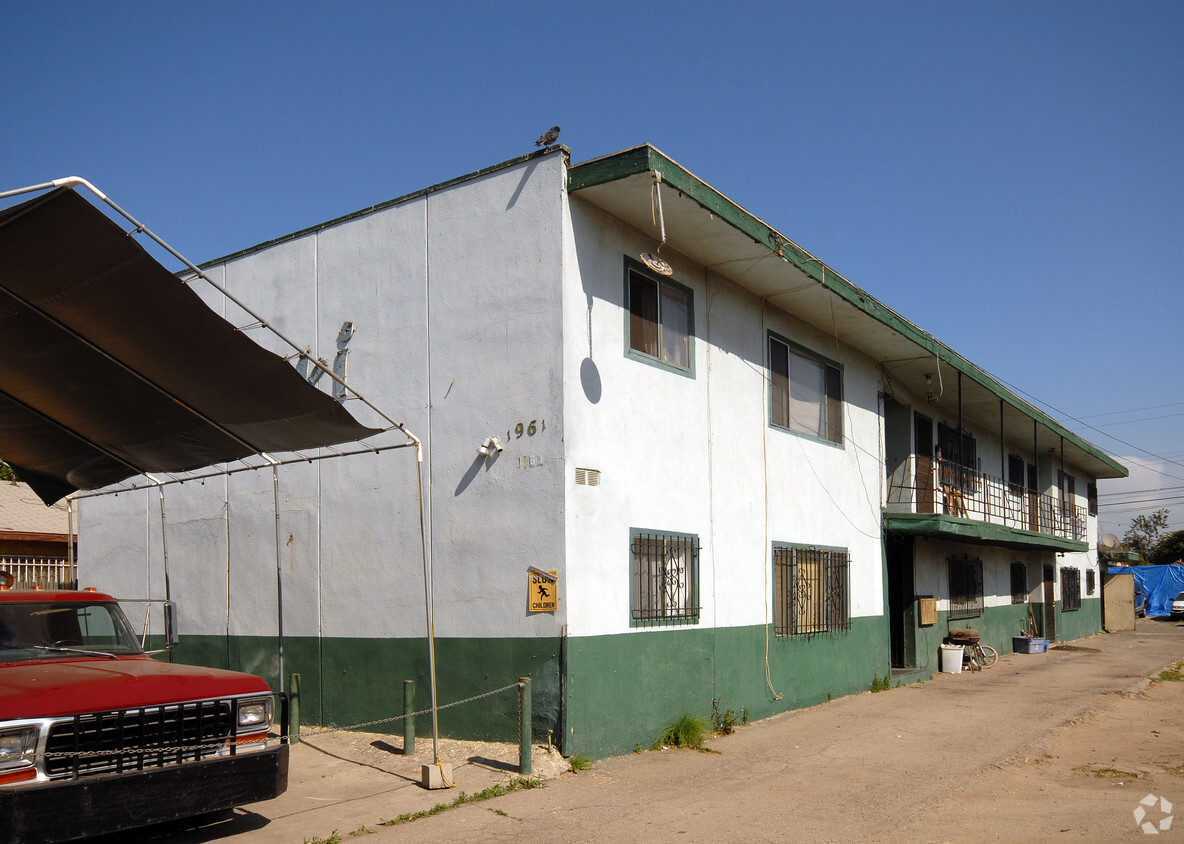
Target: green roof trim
{"type": "Point", "coordinates": [937, 526]}
{"type": "Point", "coordinates": [645, 158]}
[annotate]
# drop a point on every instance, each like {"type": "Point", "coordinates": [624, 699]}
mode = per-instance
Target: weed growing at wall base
{"type": "Point", "coordinates": [686, 731]}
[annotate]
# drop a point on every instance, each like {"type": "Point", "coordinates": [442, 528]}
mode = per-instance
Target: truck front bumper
{"type": "Point", "coordinates": [96, 806]}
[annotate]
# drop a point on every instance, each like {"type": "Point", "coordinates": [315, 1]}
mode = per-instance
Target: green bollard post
{"type": "Point", "coordinates": [294, 709]}
{"type": "Point", "coordinates": [524, 719]}
{"type": "Point", "coordinates": [408, 721]}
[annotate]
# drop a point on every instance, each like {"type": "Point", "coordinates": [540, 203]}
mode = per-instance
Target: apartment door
{"type": "Point", "coordinates": [923, 437]}
{"type": "Point", "coordinates": [901, 601]}
{"type": "Point", "coordinates": [1050, 603]}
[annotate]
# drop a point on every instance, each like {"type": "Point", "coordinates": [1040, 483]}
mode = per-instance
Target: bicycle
{"type": "Point", "coordinates": [975, 655]}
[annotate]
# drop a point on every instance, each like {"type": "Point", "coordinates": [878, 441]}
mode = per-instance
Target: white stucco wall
{"type": "Point", "coordinates": [695, 454]}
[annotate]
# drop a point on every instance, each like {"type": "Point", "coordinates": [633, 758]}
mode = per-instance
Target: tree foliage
{"type": "Point", "coordinates": [6, 473]}
{"type": "Point", "coordinates": [1170, 549]}
{"type": "Point", "coordinates": [1145, 533]}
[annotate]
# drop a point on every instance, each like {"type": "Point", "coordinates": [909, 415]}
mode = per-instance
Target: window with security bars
{"type": "Point", "coordinates": [665, 578]}
{"type": "Point", "coordinates": [1019, 583]}
{"type": "Point", "coordinates": [810, 590]}
{"type": "Point", "coordinates": [966, 586]}
{"type": "Point", "coordinates": [1091, 581]}
{"type": "Point", "coordinates": [1070, 589]}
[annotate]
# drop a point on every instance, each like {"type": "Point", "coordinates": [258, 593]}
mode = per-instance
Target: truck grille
{"type": "Point", "coordinates": [136, 739]}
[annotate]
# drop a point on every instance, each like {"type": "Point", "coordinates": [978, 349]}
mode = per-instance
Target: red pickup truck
{"type": "Point", "coordinates": [96, 736]}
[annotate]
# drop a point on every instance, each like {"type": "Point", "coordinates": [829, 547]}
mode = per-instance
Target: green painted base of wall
{"type": "Point", "coordinates": [622, 689]}
{"type": "Point", "coordinates": [344, 682]}
{"type": "Point", "coordinates": [999, 625]}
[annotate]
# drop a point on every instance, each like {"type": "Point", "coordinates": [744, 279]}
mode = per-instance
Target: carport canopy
{"type": "Point", "coordinates": [113, 367]}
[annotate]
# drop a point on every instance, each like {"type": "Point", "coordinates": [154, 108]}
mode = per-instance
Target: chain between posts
{"type": "Point", "coordinates": [197, 750]}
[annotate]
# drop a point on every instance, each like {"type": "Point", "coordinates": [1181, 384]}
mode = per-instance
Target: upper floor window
{"type": "Point", "coordinates": [805, 392]}
{"type": "Point", "coordinates": [660, 323]}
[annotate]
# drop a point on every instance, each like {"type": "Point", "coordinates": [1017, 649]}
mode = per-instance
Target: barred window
{"type": "Point", "coordinates": [1019, 583]}
{"type": "Point", "coordinates": [966, 586]}
{"type": "Point", "coordinates": [1091, 581]}
{"type": "Point", "coordinates": [1070, 589]}
{"type": "Point", "coordinates": [665, 578]}
{"type": "Point", "coordinates": [810, 590]}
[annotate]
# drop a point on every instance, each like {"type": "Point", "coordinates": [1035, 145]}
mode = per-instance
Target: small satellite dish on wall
{"type": "Point", "coordinates": [1108, 542]}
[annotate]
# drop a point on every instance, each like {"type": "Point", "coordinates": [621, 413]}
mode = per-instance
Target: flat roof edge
{"type": "Point", "coordinates": [407, 197]}
{"type": "Point", "coordinates": [645, 158]}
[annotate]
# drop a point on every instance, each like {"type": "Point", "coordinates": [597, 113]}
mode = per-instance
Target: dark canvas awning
{"type": "Point", "coordinates": [110, 366]}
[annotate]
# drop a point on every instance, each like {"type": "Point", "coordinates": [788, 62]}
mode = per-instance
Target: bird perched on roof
{"type": "Point", "coordinates": [547, 138]}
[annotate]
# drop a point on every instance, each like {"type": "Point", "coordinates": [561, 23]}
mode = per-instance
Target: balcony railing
{"type": "Point", "coordinates": [926, 485]}
{"type": "Point", "coordinates": [43, 572]}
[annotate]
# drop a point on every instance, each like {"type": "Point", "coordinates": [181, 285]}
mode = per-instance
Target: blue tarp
{"type": "Point", "coordinates": [1158, 585]}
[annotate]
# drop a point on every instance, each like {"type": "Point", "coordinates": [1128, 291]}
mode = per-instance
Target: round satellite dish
{"type": "Point", "coordinates": [657, 263]}
{"type": "Point", "coordinates": [1109, 541]}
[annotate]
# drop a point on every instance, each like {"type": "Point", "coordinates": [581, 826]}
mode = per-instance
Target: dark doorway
{"type": "Point", "coordinates": [923, 442]}
{"type": "Point", "coordinates": [901, 603]}
{"type": "Point", "coordinates": [1050, 603]}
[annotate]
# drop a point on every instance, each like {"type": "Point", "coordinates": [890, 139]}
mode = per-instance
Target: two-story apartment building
{"type": "Point", "coordinates": [746, 473]}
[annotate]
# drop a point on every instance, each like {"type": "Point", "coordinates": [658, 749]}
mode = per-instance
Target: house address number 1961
{"type": "Point", "coordinates": [534, 426]}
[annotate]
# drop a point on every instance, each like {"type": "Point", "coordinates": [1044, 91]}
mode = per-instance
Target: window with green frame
{"type": "Point", "coordinates": [810, 590]}
{"type": "Point", "coordinates": [660, 327]}
{"type": "Point", "coordinates": [805, 392]}
{"type": "Point", "coordinates": [665, 578]}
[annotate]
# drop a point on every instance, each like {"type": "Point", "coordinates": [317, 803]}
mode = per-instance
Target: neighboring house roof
{"type": "Point", "coordinates": [23, 516]}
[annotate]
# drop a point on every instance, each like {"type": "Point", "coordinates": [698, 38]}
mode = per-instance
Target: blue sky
{"type": "Point", "coordinates": [1009, 176]}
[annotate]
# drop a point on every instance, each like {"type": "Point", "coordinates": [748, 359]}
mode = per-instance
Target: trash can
{"type": "Point", "coordinates": [951, 659]}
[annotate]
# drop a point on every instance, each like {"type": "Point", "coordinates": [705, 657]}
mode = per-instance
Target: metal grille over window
{"type": "Point", "coordinates": [810, 590]}
{"type": "Point", "coordinates": [966, 586]}
{"type": "Point", "coordinates": [1070, 589]}
{"type": "Point", "coordinates": [1019, 583]}
{"type": "Point", "coordinates": [665, 587]}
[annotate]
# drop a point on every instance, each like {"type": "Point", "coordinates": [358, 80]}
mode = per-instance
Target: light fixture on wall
{"type": "Point", "coordinates": [492, 445]}
{"type": "Point", "coordinates": [930, 393]}
{"type": "Point", "coordinates": [652, 259]}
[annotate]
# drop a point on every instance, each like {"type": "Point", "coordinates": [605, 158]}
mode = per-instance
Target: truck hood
{"type": "Point", "coordinates": [71, 686]}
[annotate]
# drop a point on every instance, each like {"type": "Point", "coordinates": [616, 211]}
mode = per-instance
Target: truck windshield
{"type": "Point", "coordinates": [57, 630]}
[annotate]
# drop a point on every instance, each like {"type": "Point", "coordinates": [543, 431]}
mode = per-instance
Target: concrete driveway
{"type": "Point", "coordinates": [1039, 747]}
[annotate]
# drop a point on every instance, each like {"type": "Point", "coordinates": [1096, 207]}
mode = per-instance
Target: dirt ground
{"type": "Point", "coordinates": [1041, 747]}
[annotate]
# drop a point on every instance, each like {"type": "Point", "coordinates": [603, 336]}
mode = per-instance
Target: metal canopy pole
{"type": "Point", "coordinates": [279, 569]}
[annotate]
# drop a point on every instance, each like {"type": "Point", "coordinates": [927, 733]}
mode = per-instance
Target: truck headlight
{"type": "Point", "coordinates": [17, 746]}
{"type": "Point", "coordinates": [254, 714]}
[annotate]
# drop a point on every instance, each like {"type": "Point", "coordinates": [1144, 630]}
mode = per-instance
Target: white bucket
{"type": "Point", "coordinates": [951, 659]}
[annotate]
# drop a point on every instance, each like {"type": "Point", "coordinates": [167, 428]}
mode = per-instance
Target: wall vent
{"type": "Point", "coordinates": [588, 477]}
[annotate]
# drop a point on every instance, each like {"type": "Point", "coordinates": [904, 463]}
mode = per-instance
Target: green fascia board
{"type": "Point", "coordinates": [388, 204]}
{"type": "Point", "coordinates": [645, 158]}
{"type": "Point", "coordinates": [938, 526]}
